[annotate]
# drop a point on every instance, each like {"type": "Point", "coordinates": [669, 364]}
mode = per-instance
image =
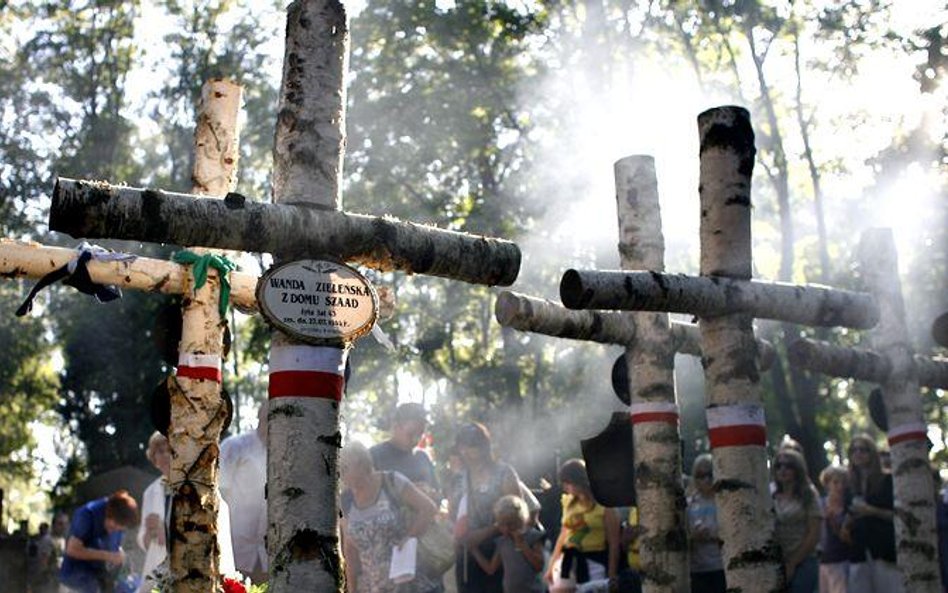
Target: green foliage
{"type": "Point", "coordinates": [112, 367]}
{"type": "Point", "coordinates": [450, 119]}
{"type": "Point", "coordinates": [29, 384]}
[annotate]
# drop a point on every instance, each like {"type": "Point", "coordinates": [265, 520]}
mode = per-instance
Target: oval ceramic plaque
{"type": "Point", "coordinates": [317, 301]}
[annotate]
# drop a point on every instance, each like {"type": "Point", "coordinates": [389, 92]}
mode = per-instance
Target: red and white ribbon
{"type": "Point", "coordinates": [307, 371]}
{"type": "Point", "coordinates": [914, 431]}
{"type": "Point", "coordinates": [199, 366]}
{"type": "Point", "coordinates": [736, 426]}
{"type": "Point", "coordinates": [666, 412]}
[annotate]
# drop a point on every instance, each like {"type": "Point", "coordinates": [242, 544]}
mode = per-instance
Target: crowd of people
{"type": "Point", "coordinates": [842, 541]}
{"type": "Point", "coordinates": [392, 498]}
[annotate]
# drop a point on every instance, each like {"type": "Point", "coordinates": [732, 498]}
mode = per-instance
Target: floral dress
{"type": "Point", "coordinates": [375, 530]}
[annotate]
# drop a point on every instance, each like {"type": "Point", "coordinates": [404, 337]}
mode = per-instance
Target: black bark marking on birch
{"type": "Point", "coordinates": [910, 466]}
{"type": "Point", "coordinates": [235, 201]}
{"type": "Point", "coordinates": [161, 283]}
{"type": "Point", "coordinates": [290, 411]}
{"type": "Point", "coordinates": [327, 465]}
{"type": "Point", "coordinates": [156, 226]}
{"type": "Point", "coordinates": [647, 477]}
{"type": "Point", "coordinates": [911, 522]}
{"type": "Point", "coordinates": [293, 493]}
{"type": "Point", "coordinates": [738, 200]}
{"type": "Point", "coordinates": [307, 545]}
{"type": "Point", "coordinates": [924, 549]}
{"type": "Point", "coordinates": [768, 554]}
{"type": "Point", "coordinates": [333, 440]}
{"type": "Point", "coordinates": [737, 137]}
{"type": "Point", "coordinates": [596, 326]}
{"type": "Point", "coordinates": [725, 485]}
{"type": "Point", "coordinates": [662, 283]}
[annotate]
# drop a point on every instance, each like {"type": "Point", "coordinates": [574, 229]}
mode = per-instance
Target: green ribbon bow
{"type": "Point", "coordinates": [199, 266]}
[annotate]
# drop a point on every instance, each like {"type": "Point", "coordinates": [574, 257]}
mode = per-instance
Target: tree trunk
{"type": "Point", "coordinates": [21, 259]}
{"type": "Point", "coordinates": [915, 532]}
{"type": "Point", "coordinates": [863, 365]}
{"type": "Point", "coordinates": [711, 296]}
{"type": "Point", "coordinates": [821, 240]}
{"type": "Point", "coordinates": [735, 412]}
{"type": "Point", "coordinates": [97, 210]}
{"type": "Point", "coordinates": [307, 382]}
{"type": "Point", "coordinates": [659, 490]}
{"type": "Point", "coordinates": [541, 316]}
{"type": "Point", "coordinates": [198, 412]}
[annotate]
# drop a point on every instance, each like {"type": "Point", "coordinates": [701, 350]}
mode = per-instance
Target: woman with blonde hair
{"type": "Point", "coordinates": [798, 518]}
{"type": "Point", "coordinates": [834, 545]}
{"type": "Point", "coordinates": [707, 564]}
{"type": "Point", "coordinates": [373, 523]}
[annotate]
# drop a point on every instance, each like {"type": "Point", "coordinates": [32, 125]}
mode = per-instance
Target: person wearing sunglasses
{"type": "Point", "coordinates": [707, 565]}
{"type": "Point", "coordinates": [798, 520]}
{"type": "Point", "coordinates": [872, 568]}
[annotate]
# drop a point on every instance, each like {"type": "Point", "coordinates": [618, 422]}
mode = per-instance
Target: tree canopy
{"type": "Point", "coordinates": [497, 118]}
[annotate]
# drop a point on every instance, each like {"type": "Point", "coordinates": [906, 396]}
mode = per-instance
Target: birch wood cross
{"type": "Point", "coordinates": [726, 300]}
{"type": "Point", "coordinates": [306, 382]}
{"type": "Point", "coordinates": [198, 412]}
{"type": "Point", "coordinates": [650, 343]}
{"type": "Point", "coordinates": [892, 364]}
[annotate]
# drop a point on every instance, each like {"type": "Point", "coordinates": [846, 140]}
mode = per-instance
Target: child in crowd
{"type": "Point", "coordinates": [519, 548]}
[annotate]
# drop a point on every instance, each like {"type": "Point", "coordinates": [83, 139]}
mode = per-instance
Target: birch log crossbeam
{"type": "Point", "coordinates": [860, 364]}
{"type": "Point", "coordinates": [95, 210]}
{"type": "Point", "coordinates": [710, 296]}
{"type": "Point", "coordinates": [531, 314]}
{"type": "Point", "coordinates": [22, 259]}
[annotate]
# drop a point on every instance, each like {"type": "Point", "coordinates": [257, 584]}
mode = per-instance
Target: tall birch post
{"type": "Point", "coordinates": [654, 409]}
{"type": "Point", "coordinates": [735, 413]}
{"type": "Point", "coordinates": [307, 382]}
{"type": "Point", "coordinates": [198, 412]}
{"type": "Point", "coordinates": [893, 365]}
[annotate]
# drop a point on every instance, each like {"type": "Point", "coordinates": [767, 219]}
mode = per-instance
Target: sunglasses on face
{"type": "Point", "coordinates": [860, 450]}
{"type": "Point", "coordinates": [782, 465]}
{"type": "Point", "coordinates": [702, 476]}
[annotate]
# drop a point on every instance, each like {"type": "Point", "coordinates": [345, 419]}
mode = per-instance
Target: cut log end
{"type": "Point", "coordinates": [572, 292]}
{"type": "Point", "coordinates": [506, 308]}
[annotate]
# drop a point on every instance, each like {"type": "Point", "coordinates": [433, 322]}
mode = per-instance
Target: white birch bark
{"type": "Point", "coordinates": [864, 365]}
{"type": "Point", "coordinates": [24, 259]}
{"type": "Point", "coordinates": [752, 561]}
{"type": "Point", "coordinates": [94, 210]}
{"type": "Point", "coordinates": [303, 436]}
{"type": "Point", "coordinates": [532, 314]}
{"type": "Point", "coordinates": [711, 296]}
{"type": "Point", "coordinates": [198, 411]}
{"type": "Point", "coordinates": [663, 545]}
{"type": "Point", "coordinates": [526, 313]}
{"type": "Point", "coordinates": [915, 530]}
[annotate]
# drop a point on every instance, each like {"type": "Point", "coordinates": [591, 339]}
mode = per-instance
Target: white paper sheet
{"type": "Point", "coordinates": [402, 568]}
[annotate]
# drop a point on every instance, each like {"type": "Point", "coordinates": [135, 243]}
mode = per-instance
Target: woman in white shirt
{"type": "Point", "coordinates": [152, 531]}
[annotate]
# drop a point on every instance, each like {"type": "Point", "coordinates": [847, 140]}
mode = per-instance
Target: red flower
{"type": "Point", "coordinates": [232, 586]}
